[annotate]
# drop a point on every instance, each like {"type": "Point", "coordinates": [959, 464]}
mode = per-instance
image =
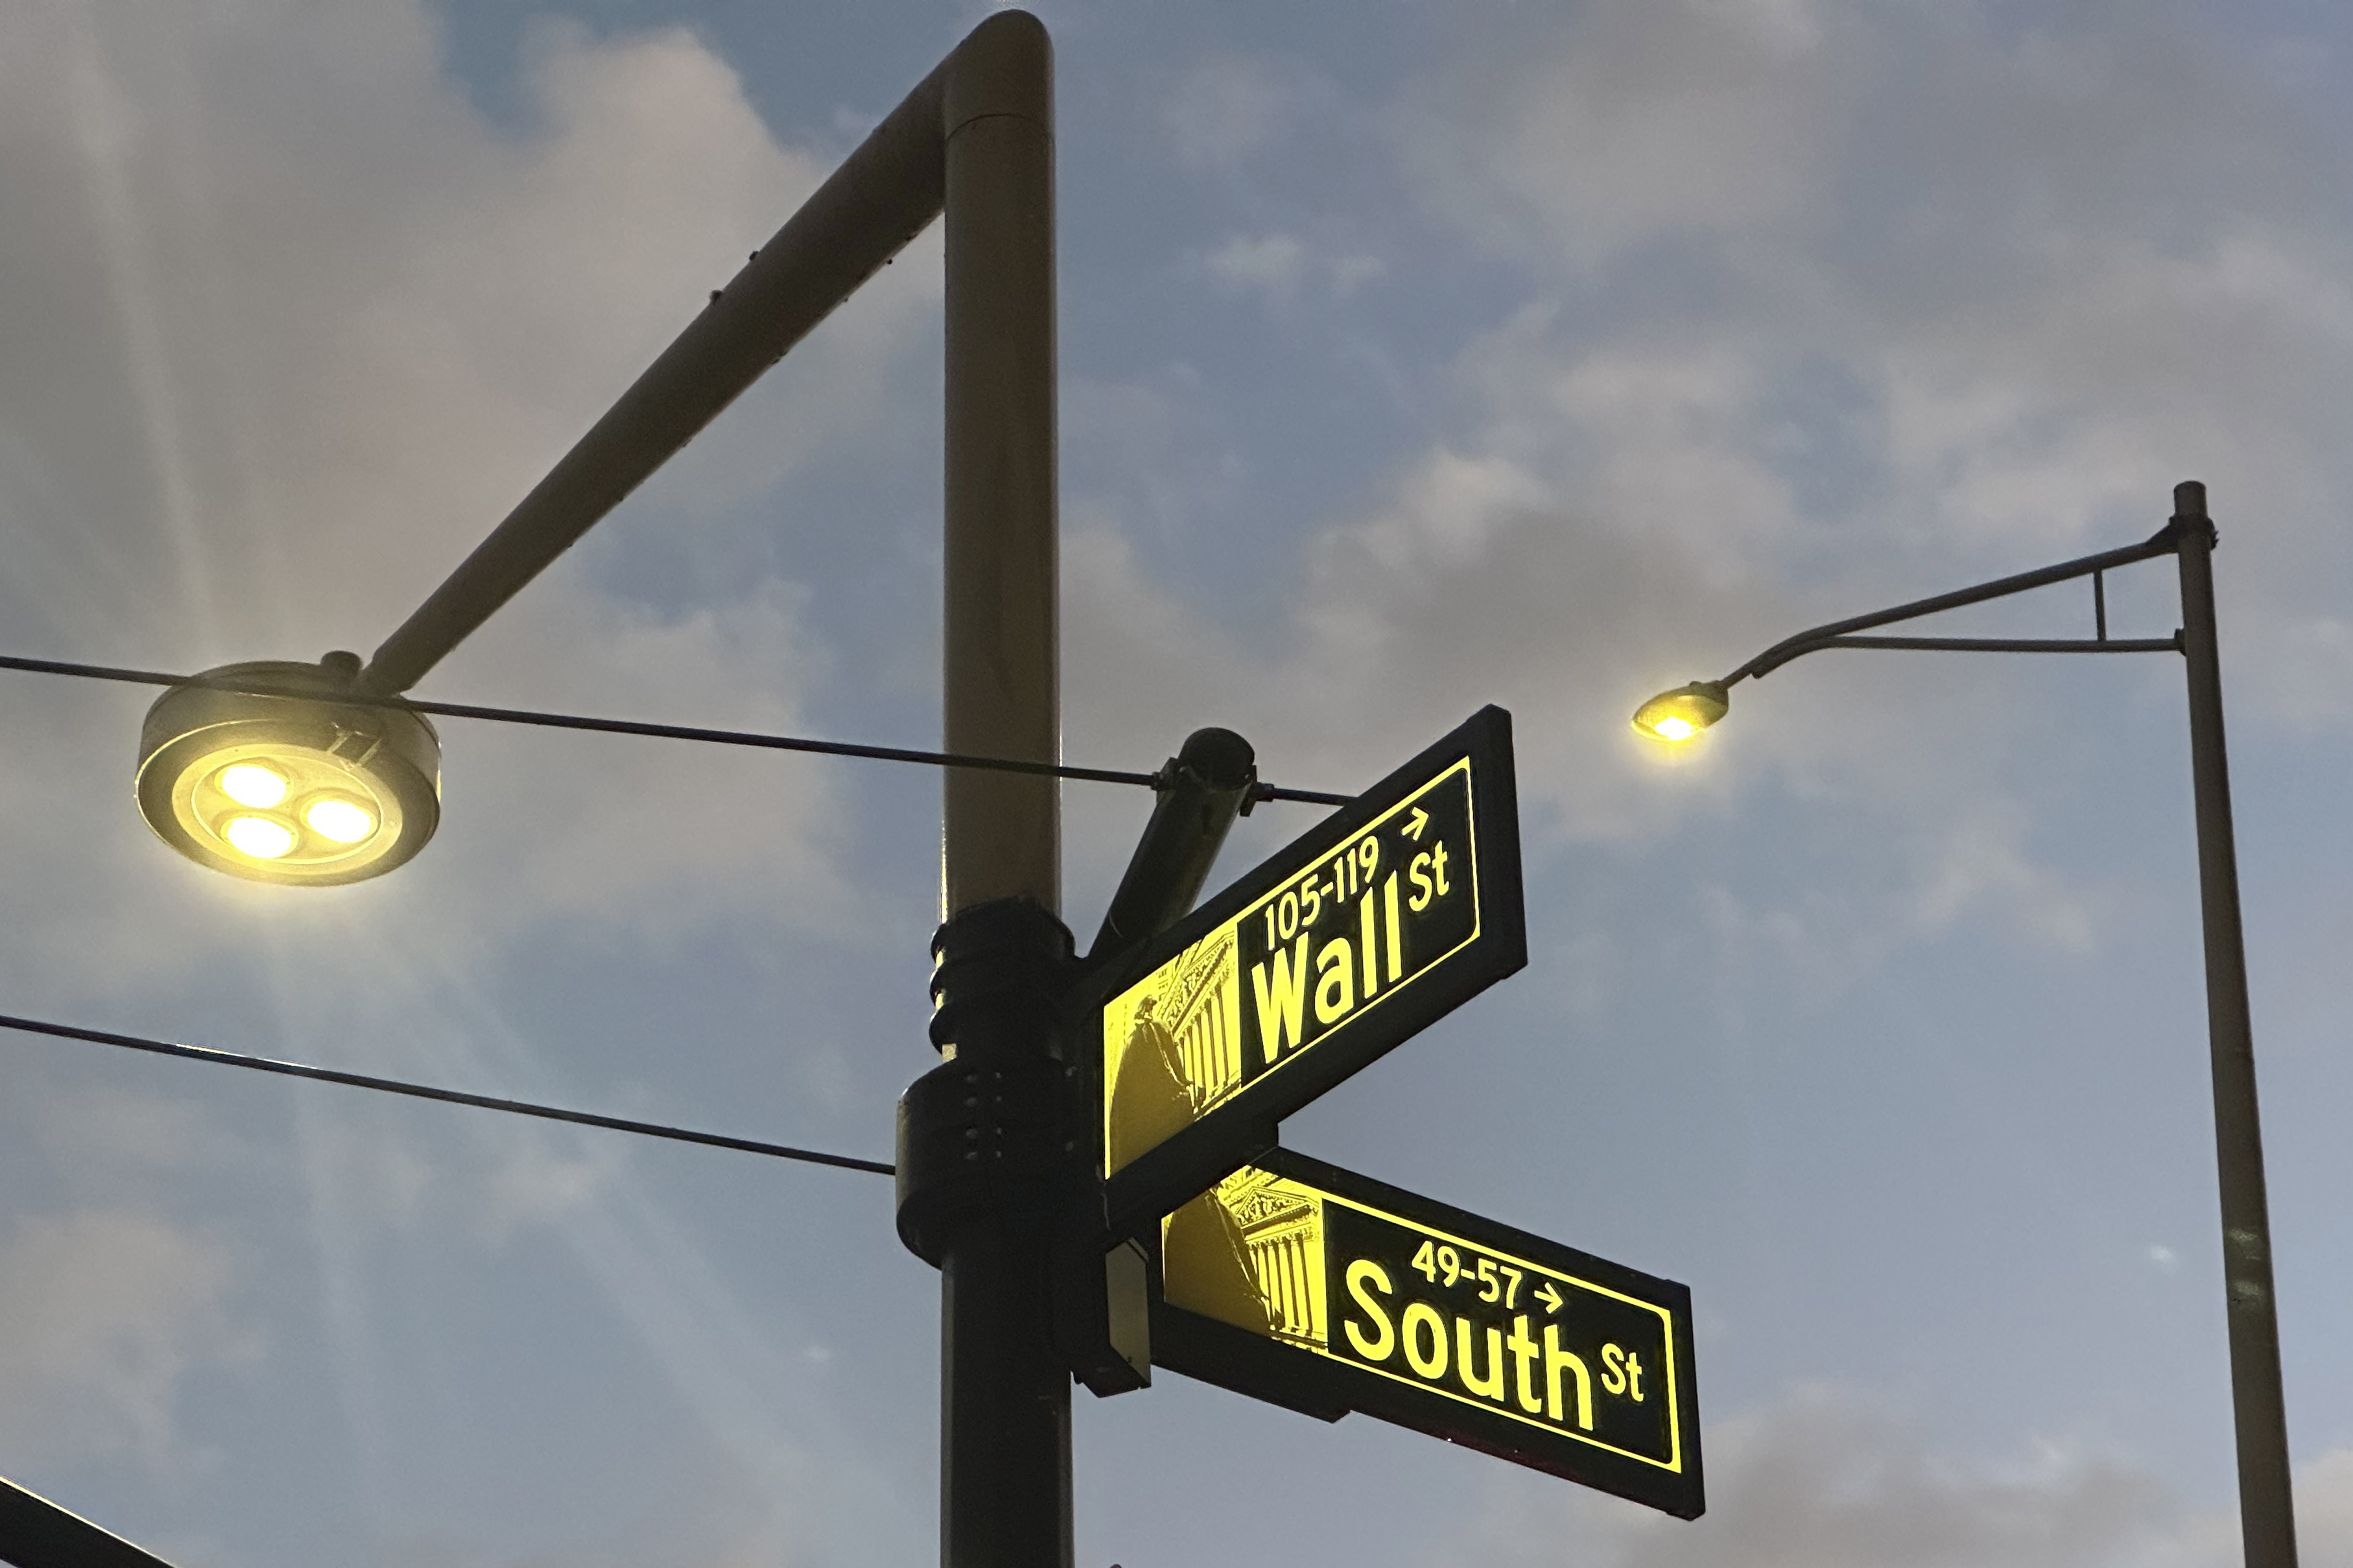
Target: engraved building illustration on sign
{"type": "Point", "coordinates": [1175, 1043]}
{"type": "Point", "coordinates": [1251, 1253]}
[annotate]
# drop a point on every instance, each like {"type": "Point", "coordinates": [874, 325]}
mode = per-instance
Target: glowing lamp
{"type": "Point", "coordinates": [294, 784]}
{"type": "Point", "coordinates": [1680, 714]}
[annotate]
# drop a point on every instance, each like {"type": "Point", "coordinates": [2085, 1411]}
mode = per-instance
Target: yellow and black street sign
{"type": "Point", "coordinates": [1389, 914]}
{"type": "Point", "coordinates": [1316, 1288]}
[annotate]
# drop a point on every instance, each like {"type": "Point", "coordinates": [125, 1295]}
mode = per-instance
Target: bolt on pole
{"type": "Point", "coordinates": [2266, 1502]}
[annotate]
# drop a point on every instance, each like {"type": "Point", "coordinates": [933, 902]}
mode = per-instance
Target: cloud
{"type": "Point", "coordinates": [339, 335]}
{"type": "Point", "coordinates": [2068, 298]}
{"type": "Point", "coordinates": [1649, 121]}
{"type": "Point", "coordinates": [2314, 684]}
{"type": "Point", "coordinates": [2051, 286]}
{"type": "Point", "coordinates": [1272, 262]}
{"type": "Point", "coordinates": [1982, 861]}
{"type": "Point", "coordinates": [1276, 265]}
{"type": "Point", "coordinates": [94, 1128]}
{"type": "Point", "coordinates": [1227, 108]}
{"type": "Point", "coordinates": [1818, 1481]}
{"type": "Point", "coordinates": [108, 1313]}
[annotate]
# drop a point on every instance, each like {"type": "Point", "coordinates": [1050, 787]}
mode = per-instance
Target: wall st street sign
{"type": "Point", "coordinates": [1395, 911]}
{"type": "Point", "coordinates": [1308, 1285]}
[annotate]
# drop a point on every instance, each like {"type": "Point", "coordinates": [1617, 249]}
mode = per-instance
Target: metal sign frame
{"type": "Point", "coordinates": [1474, 760]}
{"type": "Point", "coordinates": [1317, 1381]}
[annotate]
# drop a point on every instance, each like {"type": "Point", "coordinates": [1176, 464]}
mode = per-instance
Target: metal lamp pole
{"type": "Point", "coordinates": [1005, 1393]}
{"type": "Point", "coordinates": [2266, 1502]}
{"type": "Point", "coordinates": [2266, 1505]}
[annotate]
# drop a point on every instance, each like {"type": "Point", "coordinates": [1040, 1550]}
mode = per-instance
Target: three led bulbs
{"type": "Point", "coordinates": [332, 817]}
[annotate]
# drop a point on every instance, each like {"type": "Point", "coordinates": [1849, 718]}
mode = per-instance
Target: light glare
{"type": "Point", "coordinates": [344, 821]}
{"type": "Point", "coordinates": [1676, 716]}
{"type": "Point", "coordinates": [262, 838]}
{"type": "Point", "coordinates": [250, 783]}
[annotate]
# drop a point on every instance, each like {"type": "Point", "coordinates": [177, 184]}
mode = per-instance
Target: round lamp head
{"type": "Point", "coordinates": [1680, 714]}
{"type": "Point", "coordinates": [307, 788]}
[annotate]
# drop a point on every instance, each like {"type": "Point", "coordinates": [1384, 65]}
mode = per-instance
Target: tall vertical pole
{"type": "Point", "coordinates": [1005, 1487]}
{"type": "Point", "coordinates": [2267, 1506]}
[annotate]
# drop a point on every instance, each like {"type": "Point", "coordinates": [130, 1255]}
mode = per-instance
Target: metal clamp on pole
{"type": "Point", "coordinates": [991, 1128]}
{"type": "Point", "coordinates": [1202, 790]}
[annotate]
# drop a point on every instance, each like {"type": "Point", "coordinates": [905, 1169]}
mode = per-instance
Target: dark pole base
{"type": "Point", "coordinates": [1005, 1408]}
{"type": "Point", "coordinates": [985, 1153]}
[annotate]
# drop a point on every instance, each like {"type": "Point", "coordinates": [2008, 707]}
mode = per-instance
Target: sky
{"type": "Point", "coordinates": [1414, 357]}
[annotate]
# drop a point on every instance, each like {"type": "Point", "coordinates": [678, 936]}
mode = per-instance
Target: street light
{"type": "Point", "coordinates": [1676, 716]}
{"type": "Point", "coordinates": [2266, 1509]}
{"type": "Point", "coordinates": [271, 771]}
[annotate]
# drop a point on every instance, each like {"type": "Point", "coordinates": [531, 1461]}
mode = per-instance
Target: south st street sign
{"type": "Point", "coordinates": [1308, 1285]}
{"type": "Point", "coordinates": [1391, 913]}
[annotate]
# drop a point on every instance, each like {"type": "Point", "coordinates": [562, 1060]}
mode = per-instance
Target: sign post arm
{"type": "Point", "coordinates": [1206, 786]}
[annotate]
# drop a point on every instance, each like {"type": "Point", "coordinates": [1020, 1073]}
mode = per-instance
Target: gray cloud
{"type": "Point", "coordinates": [1226, 109]}
{"type": "Point", "coordinates": [108, 1311]}
{"type": "Point", "coordinates": [1647, 122]}
{"type": "Point", "coordinates": [1818, 1481]}
{"type": "Point", "coordinates": [2056, 258]}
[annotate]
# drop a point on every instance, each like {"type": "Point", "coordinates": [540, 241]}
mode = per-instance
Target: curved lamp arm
{"type": "Point", "coordinates": [1683, 713]}
{"type": "Point", "coordinates": [2164, 542]}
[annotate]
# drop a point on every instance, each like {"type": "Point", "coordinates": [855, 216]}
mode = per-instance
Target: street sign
{"type": "Point", "coordinates": [1324, 1291]}
{"type": "Point", "coordinates": [1392, 912]}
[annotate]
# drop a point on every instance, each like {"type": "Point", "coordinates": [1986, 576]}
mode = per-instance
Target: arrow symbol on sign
{"type": "Point", "coordinates": [1551, 1298]}
{"type": "Point", "coordinates": [1420, 820]}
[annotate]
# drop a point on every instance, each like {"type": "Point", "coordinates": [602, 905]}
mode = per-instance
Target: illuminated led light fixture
{"type": "Point", "coordinates": [1680, 714]}
{"type": "Point", "coordinates": [296, 784]}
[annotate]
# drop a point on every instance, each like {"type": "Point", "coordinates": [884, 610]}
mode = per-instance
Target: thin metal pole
{"type": "Point", "coordinates": [1003, 691]}
{"type": "Point", "coordinates": [2266, 1505]}
{"type": "Point", "coordinates": [1004, 1429]}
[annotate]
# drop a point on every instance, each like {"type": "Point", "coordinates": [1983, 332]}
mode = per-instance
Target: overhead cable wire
{"type": "Point", "coordinates": [658, 731]}
{"type": "Point", "coordinates": [446, 1095]}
